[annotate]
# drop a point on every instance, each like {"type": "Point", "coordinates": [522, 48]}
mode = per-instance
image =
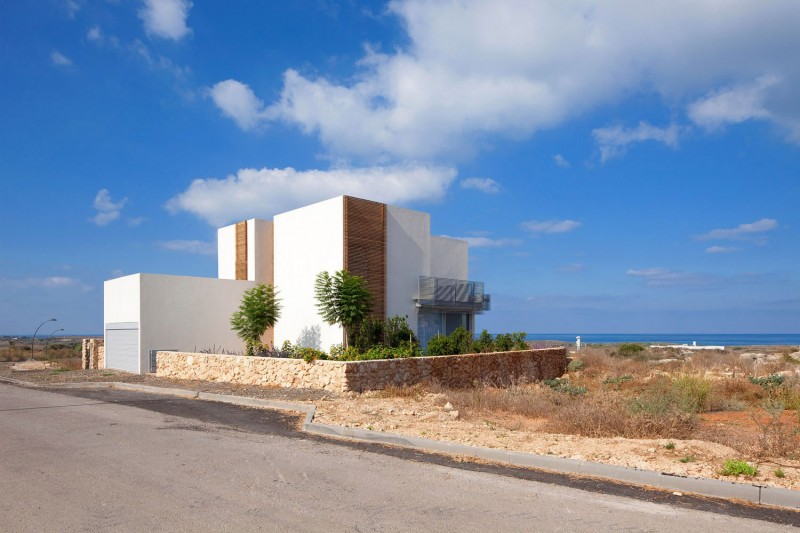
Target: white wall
{"type": "Point", "coordinates": [407, 258]}
{"type": "Point", "coordinates": [188, 313]}
{"type": "Point", "coordinates": [308, 240]}
{"type": "Point", "coordinates": [449, 258]}
{"type": "Point", "coordinates": [226, 252]}
{"type": "Point", "coordinates": [121, 299]}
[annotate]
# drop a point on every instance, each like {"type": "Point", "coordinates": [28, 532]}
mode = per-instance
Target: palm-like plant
{"type": "Point", "coordinates": [342, 299]}
{"type": "Point", "coordinates": [260, 310]}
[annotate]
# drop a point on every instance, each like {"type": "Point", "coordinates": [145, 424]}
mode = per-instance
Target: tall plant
{"type": "Point", "coordinates": [343, 299]}
{"type": "Point", "coordinates": [260, 310]}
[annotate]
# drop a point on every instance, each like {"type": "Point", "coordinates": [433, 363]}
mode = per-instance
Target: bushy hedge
{"type": "Point", "coordinates": [459, 341]}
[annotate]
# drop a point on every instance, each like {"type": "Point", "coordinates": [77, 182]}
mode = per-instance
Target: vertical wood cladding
{"type": "Point", "coordinates": [365, 247]}
{"type": "Point", "coordinates": [241, 250]}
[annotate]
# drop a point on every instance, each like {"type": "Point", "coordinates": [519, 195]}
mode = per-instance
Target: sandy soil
{"type": "Point", "coordinates": [427, 416]}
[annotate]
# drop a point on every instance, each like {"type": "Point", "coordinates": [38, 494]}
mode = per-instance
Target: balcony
{"type": "Point", "coordinates": [452, 295]}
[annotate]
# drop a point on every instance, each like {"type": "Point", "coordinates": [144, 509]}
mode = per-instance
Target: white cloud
{"type": "Point", "coordinates": [753, 230]}
{"type": "Point", "coordinates": [190, 246]}
{"type": "Point", "coordinates": [53, 282]}
{"type": "Point", "coordinates": [265, 192]}
{"type": "Point", "coordinates": [485, 185]}
{"type": "Point", "coordinates": [663, 277]}
{"type": "Point", "coordinates": [722, 249]}
{"type": "Point", "coordinates": [550, 226]}
{"type": "Point", "coordinates": [72, 6]}
{"type": "Point", "coordinates": [613, 141]}
{"type": "Point", "coordinates": [561, 161]}
{"type": "Point", "coordinates": [166, 18]}
{"type": "Point", "coordinates": [459, 78]}
{"type": "Point", "coordinates": [237, 101]}
{"type": "Point", "coordinates": [486, 242]}
{"type": "Point", "coordinates": [733, 105]}
{"type": "Point", "coordinates": [60, 59]}
{"type": "Point", "coordinates": [572, 268]}
{"type": "Point", "coordinates": [95, 34]}
{"type": "Point", "coordinates": [107, 210]}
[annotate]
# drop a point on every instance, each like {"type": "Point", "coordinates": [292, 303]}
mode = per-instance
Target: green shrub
{"type": "Point", "coordinates": [734, 467]}
{"type": "Point", "coordinates": [688, 459]}
{"type": "Point", "coordinates": [310, 354]}
{"type": "Point", "coordinates": [392, 332]}
{"type": "Point", "coordinates": [439, 345]}
{"type": "Point", "coordinates": [288, 350]}
{"type": "Point", "coordinates": [617, 380]}
{"type": "Point", "coordinates": [484, 343]}
{"type": "Point", "coordinates": [768, 382]}
{"type": "Point", "coordinates": [631, 349]}
{"type": "Point", "coordinates": [692, 393]}
{"type": "Point", "coordinates": [564, 385]}
{"type": "Point", "coordinates": [575, 365]}
{"type": "Point", "coordinates": [780, 473]}
{"type": "Point", "coordinates": [670, 445]}
{"type": "Point", "coordinates": [397, 332]}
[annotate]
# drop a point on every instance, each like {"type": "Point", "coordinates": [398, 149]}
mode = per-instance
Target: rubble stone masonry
{"type": "Point", "coordinates": [500, 368]}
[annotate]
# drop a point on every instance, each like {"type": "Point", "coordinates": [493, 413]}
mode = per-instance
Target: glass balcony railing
{"type": "Point", "coordinates": [455, 294]}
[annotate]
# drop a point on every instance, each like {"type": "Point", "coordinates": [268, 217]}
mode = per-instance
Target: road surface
{"type": "Point", "coordinates": [121, 461]}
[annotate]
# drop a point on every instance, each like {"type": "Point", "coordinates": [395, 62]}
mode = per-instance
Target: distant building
{"type": "Point", "coordinates": [408, 271]}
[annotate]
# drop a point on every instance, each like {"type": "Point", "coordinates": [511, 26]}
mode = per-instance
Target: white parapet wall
{"type": "Point", "coordinates": [408, 239]}
{"type": "Point", "coordinates": [449, 258]}
{"type": "Point", "coordinates": [307, 241]}
{"type": "Point", "coordinates": [170, 313]}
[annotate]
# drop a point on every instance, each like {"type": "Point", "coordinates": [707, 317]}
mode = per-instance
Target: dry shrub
{"type": "Point", "coordinates": [734, 394]}
{"type": "Point", "coordinates": [776, 438]}
{"type": "Point", "coordinates": [525, 400]}
{"type": "Point", "coordinates": [609, 415]}
{"type": "Point", "coordinates": [599, 363]}
{"type": "Point", "coordinates": [415, 391]}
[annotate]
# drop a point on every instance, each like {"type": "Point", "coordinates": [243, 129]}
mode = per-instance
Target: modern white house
{"type": "Point", "coordinates": [408, 271]}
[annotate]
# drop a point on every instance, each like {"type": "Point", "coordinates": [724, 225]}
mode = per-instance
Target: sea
{"type": "Point", "coordinates": [702, 339]}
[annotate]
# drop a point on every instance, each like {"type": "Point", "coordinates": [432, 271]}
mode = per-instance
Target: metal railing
{"type": "Point", "coordinates": [456, 294]}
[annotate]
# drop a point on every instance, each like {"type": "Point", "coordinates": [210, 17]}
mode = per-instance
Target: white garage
{"type": "Point", "coordinates": [122, 346]}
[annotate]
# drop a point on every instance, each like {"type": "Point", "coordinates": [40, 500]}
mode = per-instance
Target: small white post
{"type": "Point", "coordinates": [578, 342]}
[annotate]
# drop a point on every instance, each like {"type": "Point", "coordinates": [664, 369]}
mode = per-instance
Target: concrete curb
{"type": "Point", "coordinates": [757, 494]}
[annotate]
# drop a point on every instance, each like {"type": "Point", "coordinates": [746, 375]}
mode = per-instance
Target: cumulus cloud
{"type": "Point", "coordinates": [237, 101]}
{"type": "Point", "coordinates": [486, 242]}
{"type": "Point", "coordinates": [60, 59]}
{"type": "Point", "coordinates": [107, 210]}
{"type": "Point", "coordinates": [166, 18]}
{"type": "Point", "coordinates": [753, 230]}
{"type": "Point", "coordinates": [485, 185]}
{"type": "Point", "coordinates": [550, 226]}
{"type": "Point", "coordinates": [189, 246]}
{"type": "Point", "coordinates": [458, 79]}
{"type": "Point", "coordinates": [613, 141]}
{"type": "Point", "coordinates": [266, 192]}
{"type": "Point", "coordinates": [721, 249]}
{"type": "Point", "coordinates": [733, 105]}
{"type": "Point", "coordinates": [561, 161]}
{"type": "Point", "coordinates": [663, 277]}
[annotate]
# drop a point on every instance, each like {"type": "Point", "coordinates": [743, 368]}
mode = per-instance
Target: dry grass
{"type": "Point", "coordinates": [648, 397]}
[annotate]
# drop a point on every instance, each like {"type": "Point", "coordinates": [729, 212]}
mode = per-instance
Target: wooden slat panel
{"type": "Point", "coordinates": [241, 250]}
{"type": "Point", "coordinates": [365, 247]}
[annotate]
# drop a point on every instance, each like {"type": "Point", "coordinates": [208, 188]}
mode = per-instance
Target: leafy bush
{"type": "Point", "coordinates": [734, 467]}
{"type": "Point", "coordinates": [380, 352]}
{"type": "Point", "coordinates": [575, 365]}
{"type": "Point", "coordinates": [459, 342]}
{"type": "Point", "coordinates": [564, 385]}
{"type": "Point", "coordinates": [392, 332]}
{"type": "Point", "coordinates": [310, 354]}
{"type": "Point", "coordinates": [484, 343]}
{"type": "Point", "coordinates": [260, 310]}
{"type": "Point", "coordinates": [630, 349]}
{"type": "Point", "coordinates": [439, 345]}
{"type": "Point", "coordinates": [768, 382]}
{"type": "Point", "coordinates": [617, 380]}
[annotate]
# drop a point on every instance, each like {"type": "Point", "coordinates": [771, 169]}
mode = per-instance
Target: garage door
{"type": "Point", "coordinates": [122, 346]}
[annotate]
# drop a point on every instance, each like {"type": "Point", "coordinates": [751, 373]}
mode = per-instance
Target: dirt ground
{"type": "Point", "coordinates": [430, 414]}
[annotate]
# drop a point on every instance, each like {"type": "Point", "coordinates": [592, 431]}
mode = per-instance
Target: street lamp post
{"type": "Point", "coordinates": [48, 341]}
{"type": "Point", "coordinates": [37, 331]}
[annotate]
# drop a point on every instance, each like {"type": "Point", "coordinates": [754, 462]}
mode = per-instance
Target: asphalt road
{"type": "Point", "coordinates": [117, 461]}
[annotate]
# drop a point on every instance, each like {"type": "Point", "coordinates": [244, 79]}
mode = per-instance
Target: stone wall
{"type": "Point", "coordinates": [93, 354]}
{"type": "Point", "coordinates": [500, 368]}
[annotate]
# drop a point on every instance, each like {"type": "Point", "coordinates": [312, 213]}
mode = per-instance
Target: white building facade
{"type": "Point", "coordinates": [408, 271]}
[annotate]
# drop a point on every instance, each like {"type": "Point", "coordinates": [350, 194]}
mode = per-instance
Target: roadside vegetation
{"type": "Point", "coordinates": [749, 402]}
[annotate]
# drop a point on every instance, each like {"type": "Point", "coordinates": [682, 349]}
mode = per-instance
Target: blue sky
{"type": "Point", "coordinates": [617, 167]}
